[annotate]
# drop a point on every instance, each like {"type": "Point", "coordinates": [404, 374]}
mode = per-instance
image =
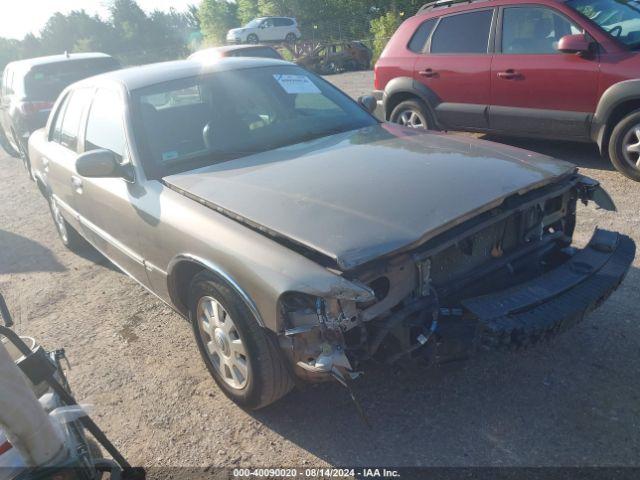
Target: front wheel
{"type": "Point", "coordinates": [412, 114]}
{"type": "Point", "coordinates": [242, 357]}
{"type": "Point", "coordinates": [624, 146]}
{"type": "Point", "coordinates": [253, 39]}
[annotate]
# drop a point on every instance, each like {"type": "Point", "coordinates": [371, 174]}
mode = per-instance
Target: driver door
{"type": "Point", "coordinates": [109, 207]}
{"type": "Point", "coordinates": [535, 89]}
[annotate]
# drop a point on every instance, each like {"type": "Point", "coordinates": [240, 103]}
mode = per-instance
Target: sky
{"type": "Point", "coordinates": [20, 17]}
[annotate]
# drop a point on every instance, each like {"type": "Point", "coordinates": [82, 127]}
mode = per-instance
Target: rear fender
{"type": "Point", "coordinates": [401, 86]}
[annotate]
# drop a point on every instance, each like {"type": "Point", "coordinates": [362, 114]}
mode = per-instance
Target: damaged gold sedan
{"type": "Point", "coordinates": [301, 237]}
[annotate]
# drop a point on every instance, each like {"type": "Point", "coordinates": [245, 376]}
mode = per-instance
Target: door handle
{"type": "Point", "coordinates": [509, 74]}
{"type": "Point", "coordinates": [77, 183]}
{"type": "Point", "coordinates": [428, 72]}
{"type": "Point", "coordinates": [45, 164]}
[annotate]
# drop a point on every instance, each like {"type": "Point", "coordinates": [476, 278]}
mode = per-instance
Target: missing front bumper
{"type": "Point", "coordinates": [547, 305]}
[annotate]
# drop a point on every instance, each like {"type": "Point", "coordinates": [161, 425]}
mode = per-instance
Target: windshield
{"type": "Point", "coordinates": [193, 122]}
{"type": "Point", "coordinates": [254, 23]}
{"type": "Point", "coordinates": [619, 18]}
{"type": "Point", "coordinates": [45, 82]}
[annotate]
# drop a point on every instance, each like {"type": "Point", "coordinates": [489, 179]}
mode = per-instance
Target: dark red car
{"type": "Point", "coordinates": [545, 68]}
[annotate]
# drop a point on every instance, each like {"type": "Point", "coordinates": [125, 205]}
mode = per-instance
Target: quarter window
{"type": "Point", "coordinates": [534, 30]}
{"type": "Point", "coordinates": [56, 131]}
{"type": "Point", "coordinates": [463, 33]}
{"type": "Point", "coordinates": [105, 128]}
{"type": "Point", "coordinates": [419, 39]}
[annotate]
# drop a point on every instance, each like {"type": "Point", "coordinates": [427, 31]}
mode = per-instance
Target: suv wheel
{"type": "Point", "coordinates": [253, 39]}
{"type": "Point", "coordinates": [4, 142]}
{"type": "Point", "coordinates": [291, 38]}
{"type": "Point", "coordinates": [243, 358]}
{"type": "Point", "coordinates": [412, 114]}
{"type": "Point", "coordinates": [624, 146]}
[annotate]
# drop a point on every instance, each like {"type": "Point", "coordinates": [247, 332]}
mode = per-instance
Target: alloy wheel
{"type": "Point", "coordinates": [223, 343]}
{"type": "Point", "coordinates": [411, 119]}
{"type": "Point", "coordinates": [59, 220]}
{"type": "Point", "coordinates": [631, 147]}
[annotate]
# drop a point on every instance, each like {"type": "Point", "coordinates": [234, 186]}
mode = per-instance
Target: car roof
{"type": "Point", "coordinates": [134, 78]}
{"type": "Point", "coordinates": [29, 63]}
{"type": "Point", "coordinates": [440, 5]}
{"type": "Point", "coordinates": [230, 48]}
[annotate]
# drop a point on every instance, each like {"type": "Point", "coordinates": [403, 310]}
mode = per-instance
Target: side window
{"type": "Point", "coordinates": [56, 129]}
{"type": "Point", "coordinates": [463, 33]}
{"type": "Point", "coordinates": [105, 128]}
{"type": "Point", "coordinates": [534, 30]}
{"type": "Point", "coordinates": [419, 40]}
{"type": "Point", "coordinates": [268, 23]}
{"type": "Point", "coordinates": [73, 114]}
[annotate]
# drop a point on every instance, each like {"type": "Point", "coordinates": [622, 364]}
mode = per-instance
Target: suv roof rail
{"type": "Point", "coordinates": [445, 3]}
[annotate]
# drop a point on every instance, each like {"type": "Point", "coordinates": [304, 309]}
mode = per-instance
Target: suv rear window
{"type": "Point", "coordinates": [45, 82]}
{"type": "Point", "coordinates": [419, 39]}
{"type": "Point", "coordinates": [463, 33]}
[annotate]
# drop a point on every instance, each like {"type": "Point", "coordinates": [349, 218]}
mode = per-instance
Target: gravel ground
{"type": "Point", "coordinates": [575, 401]}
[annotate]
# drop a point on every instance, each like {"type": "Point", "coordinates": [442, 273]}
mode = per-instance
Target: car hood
{"type": "Point", "coordinates": [360, 195]}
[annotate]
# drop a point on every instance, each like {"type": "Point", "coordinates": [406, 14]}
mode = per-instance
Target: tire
{"type": "Point", "coordinates": [26, 161]}
{"type": "Point", "coordinates": [253, 39]}
{"type": "Point", "coordinates": [624, 146]}
{"type": "Point", "coordinates": [243, 358]}
{"type": "Point", "coordinates": [69, 237]}
{"type": "Point", "coordinates": [6, 146]}
{"type": "Point", "coordinates": [413, 114]}
{"type": "Point", "coordinates": [291, 38]}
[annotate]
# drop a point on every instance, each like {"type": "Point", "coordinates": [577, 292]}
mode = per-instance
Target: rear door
{"type": "Point", "coordinates": [537, 90]}
{"type": "Point", "coordinates": [456, 67]}
{"type": "Point", "coordinates": [107, 205]}
{"type": "Point", "coordinates": [59, 155]}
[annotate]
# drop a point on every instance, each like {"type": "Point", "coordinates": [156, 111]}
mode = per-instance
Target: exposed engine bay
{"type": "Point", "coordinates": [430, 302]}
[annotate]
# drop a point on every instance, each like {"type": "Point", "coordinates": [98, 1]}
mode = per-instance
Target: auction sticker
{"type": "Point", "coordinates": [294, 84]}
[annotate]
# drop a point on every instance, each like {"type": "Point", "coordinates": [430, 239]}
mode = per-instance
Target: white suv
{"type": "Point", "coordinates": [266, 29]}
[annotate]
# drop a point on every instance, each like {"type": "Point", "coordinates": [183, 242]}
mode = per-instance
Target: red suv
{"type": "Point", "coordinates": [536, 68]}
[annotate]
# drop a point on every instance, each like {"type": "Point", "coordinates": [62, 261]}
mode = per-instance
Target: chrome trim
{"type": "Point", "coordinates": [218, 271]}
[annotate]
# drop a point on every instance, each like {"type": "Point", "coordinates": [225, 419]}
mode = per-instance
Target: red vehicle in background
{"type": "Point", "coordinates": [544, 68]}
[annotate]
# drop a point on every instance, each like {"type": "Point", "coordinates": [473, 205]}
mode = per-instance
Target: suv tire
{"type": "Point", "coordinates": [413, 114]}
{"type": "Point", "coordinates": [4, 142]}
{"type": "Point", "coordinates": [624, 146]}
{"type": "Point", "coordinates": [291, 38]}
{"type": "Point", "coordinates": [242, 357]}
{"type": "Point", "coordinates": [253, 39]}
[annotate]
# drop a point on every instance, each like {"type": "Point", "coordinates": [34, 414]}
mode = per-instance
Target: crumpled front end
{"type": "Point", "coordinates": [507, 278]}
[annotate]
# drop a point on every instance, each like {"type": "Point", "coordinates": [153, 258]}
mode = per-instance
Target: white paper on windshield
{"type": "Point", "coordinates": [294, 84]}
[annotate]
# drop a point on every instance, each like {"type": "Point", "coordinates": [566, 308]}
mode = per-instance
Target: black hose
{"type": "Point", "coordinates": [68, 399]}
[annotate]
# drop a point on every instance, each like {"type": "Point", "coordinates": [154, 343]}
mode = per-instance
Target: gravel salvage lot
{"type": "Point", "coordinates": [575, 401]}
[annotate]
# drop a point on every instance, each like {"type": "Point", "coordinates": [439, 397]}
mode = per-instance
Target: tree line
{"type": "Point", "coordinates": [135, 37]}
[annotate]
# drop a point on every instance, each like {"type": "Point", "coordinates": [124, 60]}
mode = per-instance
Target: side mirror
{"type": "Point", "coordinates": [101, 164]}
{"type": "Point", "coordinates": [368, 102]}
{"type": "Point", "coordinates": [576, 44]}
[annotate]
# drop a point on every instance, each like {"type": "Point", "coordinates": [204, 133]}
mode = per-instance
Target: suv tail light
{"type": "Point", "coordinates": [375, 77]}
{"type": "Point", "coordinates": [29, 108]}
